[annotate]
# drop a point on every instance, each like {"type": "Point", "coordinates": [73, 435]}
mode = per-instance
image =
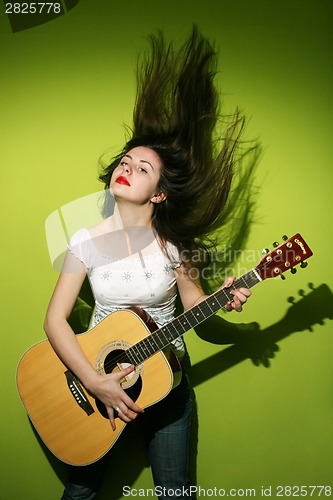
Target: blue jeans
{"type": "Point", "coordinates": [166, 427]}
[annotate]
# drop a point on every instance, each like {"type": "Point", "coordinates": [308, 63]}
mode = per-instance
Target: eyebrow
{"type": "Point", "coordinates": [141, 161]}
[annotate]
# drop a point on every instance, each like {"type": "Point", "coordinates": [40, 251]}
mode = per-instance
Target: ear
{"type": "Point", "coordinates": [158, 198]}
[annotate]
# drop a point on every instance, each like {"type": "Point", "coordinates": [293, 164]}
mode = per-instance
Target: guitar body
{"type": "Point", "coordinates": [72, 423]}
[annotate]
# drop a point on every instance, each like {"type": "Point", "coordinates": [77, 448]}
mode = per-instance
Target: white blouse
{"type": "Point", "coordinates": [120, 280]}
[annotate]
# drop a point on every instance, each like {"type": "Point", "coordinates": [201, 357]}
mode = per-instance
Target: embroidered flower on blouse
{"type": "Point", "coordinates": [127, 276]}
{"type": "Point", "coordinates": [167, 268]}
{"type": "Point", "coordinates": [106, 275]}
{"type": "Point", "coordinates": [149, 275]}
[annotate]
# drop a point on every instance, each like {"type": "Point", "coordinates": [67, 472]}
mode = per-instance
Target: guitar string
{"type": "Point", "coordinates": [123, 357]}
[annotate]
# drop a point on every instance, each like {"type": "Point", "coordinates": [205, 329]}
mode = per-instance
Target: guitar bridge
{"type": "Point", "coordinates": [78, 393]}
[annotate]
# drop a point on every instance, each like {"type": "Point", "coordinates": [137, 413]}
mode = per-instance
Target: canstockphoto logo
{"type": "Point", "coordinates": [26, 15]}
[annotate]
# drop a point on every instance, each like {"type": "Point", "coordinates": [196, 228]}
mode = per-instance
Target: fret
{"type": "Point", "coordinates": [209, 307]}
{"type": "Point", "coordinates": [137, 354]}
{"type": "Point", "coordinates": [193, 320]}
{"type": "Point", "coordinates": [158, 341]}
{"type": "Point", "coordinates": [133, 356]}
{"type": "Point", "coordinates": [181, 325]}
{"type": "Point", "coordinates": [169, 332]}
{"type": "Point", "coordinates": [153, 338]}
{"type": "Point", "coordinates": [183, 321]}
{"type": "Point", "coordinates": [199, 315]}
{"type": "Point", "coordinates": [173, 331]}
{"type": "Point", "coordinates": [248, 279]}
{"type": "Point", "coordinates": [227, 295]}
{"type": "Point", "coordinates": [190, 318]}
{"type": "Point", "coordinates": [134, 352]}
{"type": "Point", "coordinates": [242, 278]}
{"type": "Point", "coordinates": [161, 332]}
{"type": "Point", "coordinates": [214, 301]}
{"type": "Point", "coordinates": [166, 330]}
{"type": "Point", "coordinates": [212, 305]}
{"type": "Point", "coordinates": [147, 347]}
{"type": "Point", "coordinates": [141, 354]}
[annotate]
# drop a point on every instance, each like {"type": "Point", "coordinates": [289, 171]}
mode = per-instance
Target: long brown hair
{"type": "Point", "coordinates": [177, 115]}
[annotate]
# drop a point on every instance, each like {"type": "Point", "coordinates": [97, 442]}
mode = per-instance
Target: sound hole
{"type": "Point", "coordinates": [116, 361]}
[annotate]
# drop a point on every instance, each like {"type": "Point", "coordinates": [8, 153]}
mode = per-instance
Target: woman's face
{"type": "Point", "coordinates": [137, 176]}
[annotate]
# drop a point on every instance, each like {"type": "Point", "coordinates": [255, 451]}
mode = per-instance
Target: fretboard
{"type": "Point", "coordinates": [162, 337]}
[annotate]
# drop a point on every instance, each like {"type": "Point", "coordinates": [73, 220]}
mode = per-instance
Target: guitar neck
{"type": "Point", "coordinates": [162, 337]}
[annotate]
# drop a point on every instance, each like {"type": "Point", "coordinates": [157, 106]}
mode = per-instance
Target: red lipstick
{"type": "Point", "coordinates": [122, 180]}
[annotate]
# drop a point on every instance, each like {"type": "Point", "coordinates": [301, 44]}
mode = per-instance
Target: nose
{"type": "Point", "coordinates": [127, 168]}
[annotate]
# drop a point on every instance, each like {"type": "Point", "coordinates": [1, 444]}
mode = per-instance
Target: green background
{"type": "Point", "coordinates": [66, 88]}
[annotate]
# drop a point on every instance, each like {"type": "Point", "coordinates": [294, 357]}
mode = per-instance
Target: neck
{"type": "Point", "coordinates": [133, 215]}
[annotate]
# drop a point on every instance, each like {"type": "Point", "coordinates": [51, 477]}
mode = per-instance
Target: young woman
{"type": "Point", "coordinates": [164, 193]}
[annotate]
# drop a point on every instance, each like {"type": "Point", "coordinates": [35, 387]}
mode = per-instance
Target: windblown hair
{"type": "Point", "coordinates": [177, 115]}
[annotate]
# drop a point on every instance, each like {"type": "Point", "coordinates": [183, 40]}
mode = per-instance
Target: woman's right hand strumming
{"type": "Point", "coordinates": [108, 390]}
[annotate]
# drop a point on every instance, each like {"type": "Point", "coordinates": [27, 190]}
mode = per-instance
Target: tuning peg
{"type": "Point", "coordinates": [291, 300]}
{"type": "Point", "coordinates": [284, 237]}
{"type": "Point", "coordinates": [275, 244]}
{"type": "Point", "coordinates": [293, 270]}
{"type": "Point", "coordinates": [304, 264]}
{"type": "Point", "coordinates": [265, 251]}
{"type": "Point", "coordinates": [282, 276]}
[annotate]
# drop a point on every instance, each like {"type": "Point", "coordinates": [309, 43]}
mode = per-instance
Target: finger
{"type": "Point", "coordinates": [111, 416]}
{"type": "Point", "coordinates": [128, 402]}
{"type": "Point", "coordinates": [236, 304]}
{"type": "Point", "coordinates": [123, 415]}
{"type": "Point", "coordinates": [228, 282]}
{"type": "Point", "coordinates": [241, 294]}
{"type": "Point", "coordinates": [245, 291]}
{"type": "Point", "coordinates": [114, 412]}
{"type": "Point", "coordinates": [126, 414]}
{"type": "Point", "coordinates": [125, 371]}
{"type": "Point", "coordinates": [241, 298]}
{"type": "Point", "coordinates": [130, 405]}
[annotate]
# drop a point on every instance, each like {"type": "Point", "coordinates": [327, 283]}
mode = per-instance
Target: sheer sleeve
{"type": "Point", "coordinates": [78, 252]}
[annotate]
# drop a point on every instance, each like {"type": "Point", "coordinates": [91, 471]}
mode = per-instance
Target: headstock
{"type": "Point", "coordinates": [284, 257]}
{"type": "Point", "coordinates": [302, 315]}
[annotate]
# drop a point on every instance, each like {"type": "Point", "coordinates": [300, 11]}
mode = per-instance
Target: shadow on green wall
{"type": "Point", "coordinates": [128, 456]}
{"type": "Point", "coordinates": [250, 342]}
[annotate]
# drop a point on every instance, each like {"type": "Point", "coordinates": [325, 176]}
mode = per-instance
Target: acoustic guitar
{"type": "Point", "coordinates": [72, 423]}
